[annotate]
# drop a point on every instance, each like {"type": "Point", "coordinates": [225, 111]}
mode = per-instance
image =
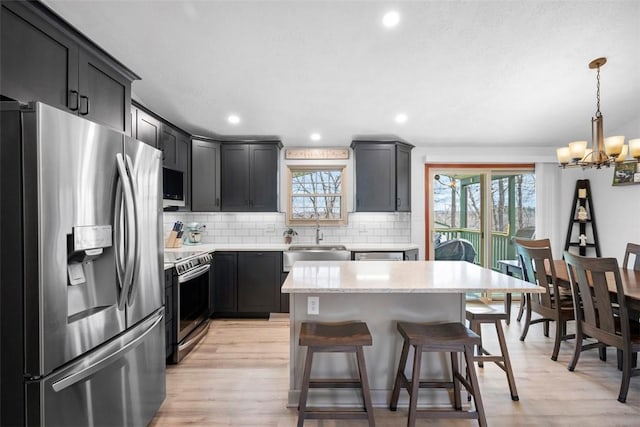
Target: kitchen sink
{"type": "Point", "coordinates": [317, 248]}
{"type": "Point", "coordinates": [314, 253]}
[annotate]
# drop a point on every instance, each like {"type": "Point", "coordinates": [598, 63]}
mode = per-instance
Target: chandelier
{"type": "Point", "coordinates": [603, 151]}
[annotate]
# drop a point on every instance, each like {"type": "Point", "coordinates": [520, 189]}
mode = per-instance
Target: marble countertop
{"type": "Point", "coordinates": [354, 247]}
{"type": "Point", "coordinates": [318, 277]}
{"type": "Point", "coordinates": [213, 247]}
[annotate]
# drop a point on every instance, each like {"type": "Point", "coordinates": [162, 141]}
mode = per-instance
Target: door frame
{"type": "Point", "coordinates": [428, 184]}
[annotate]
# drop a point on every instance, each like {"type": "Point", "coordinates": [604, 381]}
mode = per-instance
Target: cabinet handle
{"type": "Point", "coordinates": [398, 202]}
{"type": "Point", "coordinates": [217, 201]}
{"type": "Point", "coordinates": [88, 109]}
{"type": "Point", "coordinates": [77, 101]}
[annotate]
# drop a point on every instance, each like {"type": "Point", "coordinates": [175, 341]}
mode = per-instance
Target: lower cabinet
{"type": "Point", "coordinates": [170, 288]}
{"type": "Point", "coordinates": [284, 298]}
{"type": "Point", "coordinates": [225, 272]}
{"type": "Point", "coordinates": [247, 283]}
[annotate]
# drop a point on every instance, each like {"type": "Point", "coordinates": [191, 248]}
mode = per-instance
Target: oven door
{"type": "Point", "coordinates": [193, 300]}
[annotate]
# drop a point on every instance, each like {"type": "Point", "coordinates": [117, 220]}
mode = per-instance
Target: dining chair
{"type": "Point", "coordinates": [601, 316]}
{"type": "Point", "coordinates": [552, 305]}
{"type": "Point", "coordinates": [632, 249]}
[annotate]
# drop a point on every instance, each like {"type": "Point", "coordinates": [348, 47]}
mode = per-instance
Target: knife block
{"type": "Point", "coordinates": [173, 241]}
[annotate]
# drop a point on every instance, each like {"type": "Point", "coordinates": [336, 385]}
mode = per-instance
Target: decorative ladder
{"type": "Point", "coordinates": [581, 215]}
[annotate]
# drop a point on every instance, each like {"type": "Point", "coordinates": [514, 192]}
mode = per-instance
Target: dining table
{"type": "Point", "coordinates": [630, 283]}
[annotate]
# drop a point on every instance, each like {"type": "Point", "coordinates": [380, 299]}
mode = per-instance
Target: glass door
{"type": "Point", "coordinates": [475, 213]}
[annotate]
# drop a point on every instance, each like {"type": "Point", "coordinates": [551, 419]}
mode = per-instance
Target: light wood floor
{"type": "Point", "coordinates": [238, 376]}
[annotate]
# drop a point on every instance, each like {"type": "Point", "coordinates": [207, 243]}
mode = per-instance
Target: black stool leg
{"type": "Point", "coordinates": [507, 361]}
{"type": "Point", "coordinates": [456, 382]}
{"type": "Point", "coordinates": [395, 394]}
{"type": "Point", "coordinates": [415, 386]}
{"type": "Point", "coordinates": [364, 380]}
{"type": "Point", "coordinates": [304, 389]}
{"type": "Point", "coordinates": [475, 387]}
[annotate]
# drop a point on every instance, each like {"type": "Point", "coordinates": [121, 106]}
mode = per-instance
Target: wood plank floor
{"type": "Point", "coordinates": [238, 376]}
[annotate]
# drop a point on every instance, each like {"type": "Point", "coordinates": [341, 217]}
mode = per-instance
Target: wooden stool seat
{"type": "Point", "coordinates": [338, 333]}
{"type": "Point", "coordinates": [452, 338]}
{"type": "Point", "coordinates": [477, 314]}
{"type": "Point", "coordinates": [345, 337]}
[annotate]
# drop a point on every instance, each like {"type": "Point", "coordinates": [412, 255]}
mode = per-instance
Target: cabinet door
{"type": "Point", "coordinates": [37, 62]}
{"type": "Point", "coordinates": [105, 95]}
{"type": "Point", "coordinates": [284, 298]}
{"type": "Point", "coordinates": [168, 146]}
{"type": "Point", "coordinates": [226, 280]}
{"type": "Point", "coordinates": [259, 282]}
{"type": "Point", "coordinates": [148, 129]}
{"type": "Point", "coordinates": [403, 178]}
{"type": "Point", "coordinates": [205, 173]}
{"type": "Point", "coordinates": [234, 177]}
{"type": "Point", "coordinates": [182, 152]}
{"type": "Point", "coordinates": [183, 164]}
{"type": "Point", "coordinates": [375, 178]}
{"type": "Point", "coordinates": [263, 178]}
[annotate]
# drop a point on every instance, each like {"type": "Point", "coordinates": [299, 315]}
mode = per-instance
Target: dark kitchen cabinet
{"type": "Point", "coordinates": [225, 270]}
{"type": "Point", "coordinates": [259, 281]}
{"type": "Point", "coordinates": [44, 59]}
{"type": "Point", "coordinates": [249, 176]}
{"type": "Point", "coordinates": [146, 128]}
{"type": "Point", "coordinates": [247, 283]}
{"type": "Point", "coordinates": [284, 298]}
{"type": "Point", "coordinates": [169, 145]}
{"type": "Point", "coordinates": [170, 317]}
{"type": "Point", "coordinates": [383, 175]}
{"type": "Point", "coordinates": [205, 176]}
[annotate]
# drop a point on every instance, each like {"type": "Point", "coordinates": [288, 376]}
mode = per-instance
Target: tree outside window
{"type": "Point", "coordinates": [316, 194]}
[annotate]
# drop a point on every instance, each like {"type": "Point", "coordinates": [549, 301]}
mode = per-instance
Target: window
{"type": "Point", "coordinates": [316, 193]}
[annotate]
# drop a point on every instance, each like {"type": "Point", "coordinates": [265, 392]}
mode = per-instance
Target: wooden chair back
{"type": "Point", "coordinates": [598, 313]}
{"type": "Point", "coordinates": [632, 249]}
{"type": "Point", "coordinates": [535, 260]}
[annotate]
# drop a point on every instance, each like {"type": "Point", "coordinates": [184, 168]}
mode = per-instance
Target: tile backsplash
{"type": "Point", "coordinates": [266, 227]}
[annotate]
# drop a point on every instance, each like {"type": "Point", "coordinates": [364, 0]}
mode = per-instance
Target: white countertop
{"type": "Point", "coordinates": [354, 247]}
{"type": "Point", "coordinates": [399, 277]}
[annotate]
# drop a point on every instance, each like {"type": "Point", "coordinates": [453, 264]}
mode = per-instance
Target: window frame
{"type": "Point", "coordinates": [343, 194]}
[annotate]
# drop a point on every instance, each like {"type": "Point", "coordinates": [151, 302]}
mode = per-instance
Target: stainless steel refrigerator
{"type": "Point", "coordinates": [82, 299]}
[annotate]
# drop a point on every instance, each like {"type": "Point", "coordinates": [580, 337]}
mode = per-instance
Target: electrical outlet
{"type": "Point", "coordinates": [313, 305]}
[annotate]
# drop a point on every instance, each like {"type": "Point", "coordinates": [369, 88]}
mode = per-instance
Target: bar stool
{"type": "Point", "coordinates": [453, 338]}
{"type": "Point", "coordinates": [344, 337]}
{"type": "Point", "coordinates": [477, 314]}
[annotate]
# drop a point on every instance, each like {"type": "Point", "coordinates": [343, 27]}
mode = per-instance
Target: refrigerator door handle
{"type": "Point", "coordinates": [112, 356]}
{"type": "Point", "coordinates": [136, 235]}
{"type": "Point", "coordinates": [117, 233]}
{"type": "Point", "coordinates": [129, 231]}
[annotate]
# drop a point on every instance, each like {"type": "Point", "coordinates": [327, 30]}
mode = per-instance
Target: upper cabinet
{"type": "Point", "coordinates": [249, 176]}
{"type": "Point", "coordinates": [383, 175]}
{"type": "Point", "coordinates": [44, 59]}
{"type": "Point", "coordinates": [205, 175]}
{"type": "Point", "coordinates": [145, 127]}
{"type": "Point", "coordinates": [174, 143]}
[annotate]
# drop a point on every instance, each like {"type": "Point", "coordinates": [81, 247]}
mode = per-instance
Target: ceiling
{"type": "Point", "coordinates": [490, 73]}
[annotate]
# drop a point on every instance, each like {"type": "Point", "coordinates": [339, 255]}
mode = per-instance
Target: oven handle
{"type": "Point", "coordinates": [196, 272]}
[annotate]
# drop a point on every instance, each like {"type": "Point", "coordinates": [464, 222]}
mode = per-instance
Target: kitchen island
{"type": "Point", "coordinates": [381, 293]}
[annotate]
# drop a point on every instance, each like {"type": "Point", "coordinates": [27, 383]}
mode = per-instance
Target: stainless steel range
{"type": "Point", "coordinates": [191, 306]}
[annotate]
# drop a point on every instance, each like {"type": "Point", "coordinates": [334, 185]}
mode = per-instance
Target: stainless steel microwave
{"type": "Point", "coordinates": [172, 187]}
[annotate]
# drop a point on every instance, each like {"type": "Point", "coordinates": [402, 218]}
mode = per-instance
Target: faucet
{"type": "Point", "coordinates": [319, 236]}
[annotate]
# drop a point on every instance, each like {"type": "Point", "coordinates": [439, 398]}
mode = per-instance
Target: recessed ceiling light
{"type": "Point", "coordinates": [315, 136]}
{"type": "Point", "coordinates": [401, 118]}
{"type": "Point", "coordinates": [233, 119]}
{"type": "Point", "coordinates": [391, 19]}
